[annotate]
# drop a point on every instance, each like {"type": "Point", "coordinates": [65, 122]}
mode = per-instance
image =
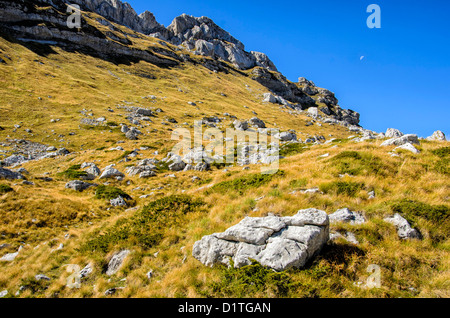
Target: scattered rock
{"type": "Point", "coordinates": [110, 172]}
{"type": "Point", "coordinates": [119, 201]}
{"type": "Point", "coordinates": [286, 136]}
{"type": "Point", "coordinates": [408, 147]}
{"type": "Point", "coordinates": [240, 125]}
{"type": "Point", "coordinates": [404, 229]}
{"type": "Point", "coordinates": [79, 185]}
{"type": "Point", "coordinates": [116, 262]}
{"type": "Point", "coordinates": [257, 123]}
{"type": "Point", "coordinates": [42, 277]}
{"type": "Point", "coordinates": [347, 216]}
{"type": "Point", "coordinates": [11, 175]}
{"type": "Point", "coordinates": [86, 271]}
{"type": "Point", "coordinates": [10, 256]}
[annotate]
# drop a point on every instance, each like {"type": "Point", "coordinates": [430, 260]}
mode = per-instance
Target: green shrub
{"type": "Point", "coordinates": [359, 163]}
{"type": "Point", "coordinates": [244, 183]}
{"type": "Point", "coordinates": [342, 188]}
{"type": "Point", "coordinates": [292, 149]}
{"type": "Point", "coordinates": [435, 213]}
{"type": "Point", "coordinates": [110, 192]}
{"type": "Point", "coordinates": [4, 188]}
{"type": "Point", "coordinates": [441, 152]}
{"type": "Point", "coordinates": [251, 281]}
{"type": "Point", "coordinates": [147, 227]}
{"type": "Point", "coordinates": [73, 173]}
{"type": "Point", "coordinates": [443, 166]}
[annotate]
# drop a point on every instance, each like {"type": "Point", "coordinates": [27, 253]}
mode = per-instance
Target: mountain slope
{"type": "Point", "coordinates": [77, 90]}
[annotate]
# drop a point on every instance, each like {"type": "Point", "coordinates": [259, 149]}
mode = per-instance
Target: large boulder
{"type": "Point", "coordinates": [279, 243]}
{"type": "Point", "coordinates": [111, 172]}
{"type": "Point", "coordinates": [413, 139]}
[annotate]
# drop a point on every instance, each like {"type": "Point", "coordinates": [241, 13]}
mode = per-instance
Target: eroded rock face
{"type": "Point", "coordinates": [277, 242]}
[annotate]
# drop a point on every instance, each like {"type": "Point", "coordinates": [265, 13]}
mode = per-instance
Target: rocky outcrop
{"type": "Point", "coordinates": [124, 14]}
{"type": "Point", "coordinates": [45, 22]}
{"type": "Point", "coordinates": [279, 243]}
{"type": "Point", "coordinates": [204, 37]}
{"type": "Point", "coordinates": [399, 141]}
{"type": "Point", "coordinates": [437, 135]}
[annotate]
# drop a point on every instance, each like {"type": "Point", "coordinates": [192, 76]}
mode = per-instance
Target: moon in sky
{"type": "Point", "coordinates": [361, 58]}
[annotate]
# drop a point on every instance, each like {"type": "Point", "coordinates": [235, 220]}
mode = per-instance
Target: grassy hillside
{"type": "Point", "coordinates": [161, 229]}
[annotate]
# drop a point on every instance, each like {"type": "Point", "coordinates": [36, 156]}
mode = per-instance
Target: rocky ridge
{"type": "Point", "coordinates": [44, 22]}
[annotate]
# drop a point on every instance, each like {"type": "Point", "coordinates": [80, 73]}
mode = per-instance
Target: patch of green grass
{"type": "Point", "coordinates": [298, 183]}
{"type": "Point", "coordinates": [292, 149]}
{"type": "Point", "coordinates": [250, 281]}
{"type": "Point", "coordinates": [441, 152]}
{"type": "Point", "coordinates": [442, 166]}
{"type": "Point", "coordinates": [110, 192]}
{"type": "Point", "coordinates": [147, 227]}
{"type": "Point", "coordinates": [349, 189]}
{"type": "Point", "coordinates": [34, 285]}
{"type": "Point", "coordinates": [244, 183]}
{"type": "Point", "coordinates": [359, 163]}
{"type": "Point", "coordinates": [73, 173]}
{"type": "Point", "coordinates": [4, 188]}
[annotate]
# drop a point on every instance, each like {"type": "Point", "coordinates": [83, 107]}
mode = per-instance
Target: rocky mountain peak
{"type": "Point", "coordinates": [186, 27]}
{"type": "Point", "coordinates": [122, 13]}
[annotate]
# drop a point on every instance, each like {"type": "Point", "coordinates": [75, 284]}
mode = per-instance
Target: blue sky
{"type": "Point", "coordinates": [403, 81]}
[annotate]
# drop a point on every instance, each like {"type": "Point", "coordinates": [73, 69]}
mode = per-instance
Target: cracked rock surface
{"type": "Point", "coordinates": [279, 243]}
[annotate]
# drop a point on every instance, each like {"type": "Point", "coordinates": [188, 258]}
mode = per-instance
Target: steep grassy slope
{"type": "Point", "coordinates": [161, 228]}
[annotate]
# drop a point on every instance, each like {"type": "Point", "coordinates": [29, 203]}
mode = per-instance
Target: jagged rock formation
{"type": "Point", "coordinates": [277, 242]}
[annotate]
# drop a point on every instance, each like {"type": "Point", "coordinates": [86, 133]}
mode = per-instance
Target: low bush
{"type": "Point", "coordinates": [4, 188]}
{"type": "Point", "coordinates": [360, 163]}
{"type": "Point", "coordinates": [244, 183]}
{"type": "Point", "coordinates": [110, 193]}
{"type": "Point", "coordinates": [251, 281]}
{"type": "Point", "coordinates": [342, 188]}
{"type": "Point", "coordinates": [73, 173]}
{"type": "Point", "coordinates": [147, 227]}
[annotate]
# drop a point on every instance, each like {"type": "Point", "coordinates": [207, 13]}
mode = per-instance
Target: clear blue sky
{"type": "Point", "coordinates": [403, 81]}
